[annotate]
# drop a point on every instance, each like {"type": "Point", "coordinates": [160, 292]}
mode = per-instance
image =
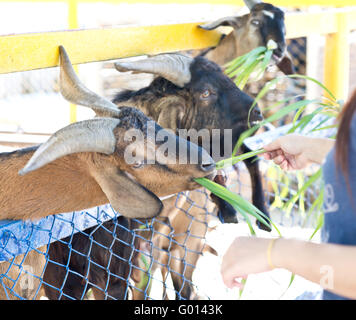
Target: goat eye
{"type": "Point", "coordinates": [138, 164]}
{"type": "Point", "coordinates": [255, 22]}
{"type": "Point", "coordinates": [205, 94]}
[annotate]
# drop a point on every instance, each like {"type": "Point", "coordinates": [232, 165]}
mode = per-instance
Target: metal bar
{"type": "Point", "coordinates": [40, 50]}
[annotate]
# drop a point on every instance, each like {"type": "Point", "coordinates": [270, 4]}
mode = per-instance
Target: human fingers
{"type": "Point", "coordinates": [239, 282]}
{"type": "Point", "coordinates": [279, 159]}
{"type": "Point", "coordinates": [231, 279]}
{"type": "Point", "coordinates": [285, 165]}
{"type": "Point", "coordinates": [272, 146]}
{"type": "Point", "coordinates": [272, 154]}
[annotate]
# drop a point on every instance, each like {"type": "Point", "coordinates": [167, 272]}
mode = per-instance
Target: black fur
{"type": "Point", "coordinates": [272, 28]}
{"type": "Point", "coordinates": [17, 153]}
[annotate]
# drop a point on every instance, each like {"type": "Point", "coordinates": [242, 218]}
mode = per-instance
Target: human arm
{"type": "Point", "coordinates": [294, 152]}
{"type": "Point", "coordinates": [332, 266]}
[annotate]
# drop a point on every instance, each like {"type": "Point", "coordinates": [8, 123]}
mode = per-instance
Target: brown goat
{"type": "Point", "coordinates": [264, 22]}
{"type": "Point", "coordinates": [83, 165]}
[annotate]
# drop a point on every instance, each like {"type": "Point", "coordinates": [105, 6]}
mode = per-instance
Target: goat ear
{"type": "Point", "coordinates": [127, 196]}
{"type": "Point", "coordinates": [226, 21]}
{"type": "Point", "coordinates": [286, 65]}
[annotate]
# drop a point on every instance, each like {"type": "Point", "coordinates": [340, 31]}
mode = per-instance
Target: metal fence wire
{"type": "Point", "coordinates": [99, 254]}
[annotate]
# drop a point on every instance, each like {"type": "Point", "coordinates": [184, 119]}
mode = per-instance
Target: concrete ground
{"type": "Point", "coordinates": [271, 285]}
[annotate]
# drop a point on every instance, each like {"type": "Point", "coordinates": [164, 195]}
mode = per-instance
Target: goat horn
{"type": "Point", "coordinates": [94, 135]}
{"type": "Point", "coordinates": [74, 90]}
{"type": "Point", "coordinates": [251, 3]}
{"type": "Point", "coordinates": [173, 67]}
{"type": "Point", "coordinates": [226, 21]}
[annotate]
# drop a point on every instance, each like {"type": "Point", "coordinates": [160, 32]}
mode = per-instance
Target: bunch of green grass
{"type": "Point", "coordinates": [251, 66]}
{"type": "Point", "coordinates": [244, 207]}
{"type": "Point", "coordinates": [327, 106]}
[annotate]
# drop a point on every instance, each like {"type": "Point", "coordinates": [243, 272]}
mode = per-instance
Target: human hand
{"type": "Point", "coordinates": [245, 255]}
{"type": "Point", "coordinates": [290, 152]}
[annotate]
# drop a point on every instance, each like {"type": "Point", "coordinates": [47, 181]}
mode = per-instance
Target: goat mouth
{"type": "Point", "coordinates": [212, 175]}
{"type": "Point", "coordinates": [277, 56]}
{"type": "Point", "coordinates": [255, 122]}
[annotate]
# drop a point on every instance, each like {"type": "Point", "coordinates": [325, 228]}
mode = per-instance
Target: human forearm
{"type": "Point", "coordinates": [332, 266]}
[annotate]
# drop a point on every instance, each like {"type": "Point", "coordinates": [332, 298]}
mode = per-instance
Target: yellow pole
{"type": "Point", "coordinates": [337, 58]}
{"type": "Point", "coordinates": [73, 24]}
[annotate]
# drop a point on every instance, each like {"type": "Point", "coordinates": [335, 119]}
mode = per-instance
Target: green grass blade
{"type": "Point", "coordinates": [235, 200]}
{"type": "Point", "coordinates": [315, 81]}
{"type": "Point", "coordinates": [264, 64]}
{"type": "Point", "coordinates": [276, 116]}
{"type": "Point", "coordinates": [316, 176]}
{"type": "Point", "coordinates": [233, 160]}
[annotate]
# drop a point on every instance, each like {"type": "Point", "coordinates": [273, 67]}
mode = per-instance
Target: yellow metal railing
{"type": "Point", "coordinates": [40, 50]}
{"type": "Point", "coordinates": [30, 51]}
{"type": "Point", "coordinates": [281, 3]}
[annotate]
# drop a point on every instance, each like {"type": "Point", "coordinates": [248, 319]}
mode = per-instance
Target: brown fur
{"type": "Point", "coordinates": [76, 181]}
{"type": "Point", "coordinates": [79, 181]}
{"type": "Point", "coordinates": [46, 191]}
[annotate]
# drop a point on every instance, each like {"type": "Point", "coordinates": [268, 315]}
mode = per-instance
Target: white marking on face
{"type": "Point", "coordinates": [268, 13]}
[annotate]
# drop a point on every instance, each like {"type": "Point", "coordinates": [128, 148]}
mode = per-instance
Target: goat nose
{"type": "Point", "coordinates": [279, 51]}
{"type": "Point", "coordinates": [206, 163]}
{"type": "Point", "coordinates": [207, 167]}
{"type": "Point", "coordinates": [257, 113]}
